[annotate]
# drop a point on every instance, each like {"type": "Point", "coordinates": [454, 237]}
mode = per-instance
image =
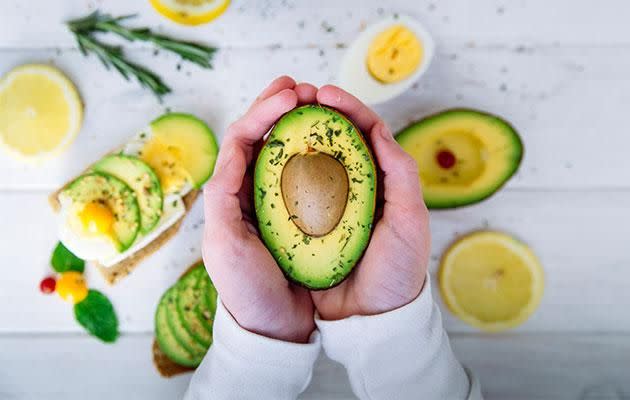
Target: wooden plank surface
{"type": "Point", "coordinates": [509, 365]}
{"type": "Point", "coordinates": [581, 243]}
{"type": "Point", "coordinates": [530, 89]}
{"type": "Point", "coordinates": [296, 23]}
{"type": "Point", "coordinates": [557, 70]}
{"type": "Point", "coordinates": [558, 141]}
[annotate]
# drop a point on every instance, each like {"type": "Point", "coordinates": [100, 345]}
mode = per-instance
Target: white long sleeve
{"type": "Point", "coordinates": [401, 354]}
{"type": "Point", "coordinates": [244, 365]}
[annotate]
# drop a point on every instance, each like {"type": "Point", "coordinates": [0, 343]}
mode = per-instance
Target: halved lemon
{"type": "Point", "coordinates": [40, 111]}
{"type": "Point", "coordinates": [491, 280]}
{"type": "Point", "coordinates": [190, 12]}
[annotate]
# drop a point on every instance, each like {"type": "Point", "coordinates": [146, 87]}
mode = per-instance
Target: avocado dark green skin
{"type": "Point", "coordinates": [173, 325]}
{"type": "Point", "coordinates": [366, 228]}
{"type": "Point", "coordinates": [517, 143]}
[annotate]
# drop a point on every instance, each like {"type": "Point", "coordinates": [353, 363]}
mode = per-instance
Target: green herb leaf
{"type": "Point", "coordinates": [112, 56]}
{"type": "Point", "coordinates": [63, 260]}
{"type": "Point", "coordinates": [96, 314]}
{"type": "Point", "coordinates": [97, 22]}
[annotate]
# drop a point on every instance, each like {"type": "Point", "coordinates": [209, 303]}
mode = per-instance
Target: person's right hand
{"type": "Point", "coordinates": [250, 283]}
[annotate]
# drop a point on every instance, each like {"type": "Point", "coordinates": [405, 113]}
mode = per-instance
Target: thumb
{"type": "Point", "coordinates": [401, 180]}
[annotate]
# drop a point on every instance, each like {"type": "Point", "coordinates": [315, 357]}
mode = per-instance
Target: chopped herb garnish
{"type": "Point", "coordinates": [275, 143]}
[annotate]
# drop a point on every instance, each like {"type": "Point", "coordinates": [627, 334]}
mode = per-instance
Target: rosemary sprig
{"type": "Point", "coordinates": [112, 56]}
{"type": "Point", "coordinates": [97, 22]}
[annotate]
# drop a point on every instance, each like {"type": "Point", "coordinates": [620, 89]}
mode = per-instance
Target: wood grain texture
{"type": "Point", "coordinates": [582, 246]}
{"type": "Point", "coordinates": [557, 70]}
{"type": "Point", "coordinates": [508, 365]}
{"type": "Point", "coordinates": [259, 23]}
{"type": "Point", "coordinates": [530, 88]}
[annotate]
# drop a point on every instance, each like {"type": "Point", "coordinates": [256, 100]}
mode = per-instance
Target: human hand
{"type": "Point", "coordinates": [394, 266]}
{"type": "Point", "coordinates": [250, 283]}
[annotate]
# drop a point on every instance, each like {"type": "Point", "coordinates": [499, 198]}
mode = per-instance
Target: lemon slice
{"type": "Point", "coordinates": [190, 12]}
{"type": "Point", "coordinates": [40, 112]}
{"type": "Point", "coordinates": [491, 281]}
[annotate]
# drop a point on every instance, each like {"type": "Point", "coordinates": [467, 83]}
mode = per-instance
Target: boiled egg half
{"type": "Point", "coordinates": [386, 59]}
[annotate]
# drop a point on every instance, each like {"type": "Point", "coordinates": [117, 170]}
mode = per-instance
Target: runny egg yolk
{"type": "Point", "coordinates": [394, 55]}
{"type": "Point", "coordinates": [166, 161]}
{"type": "Point", "coordinates": [97, 218]}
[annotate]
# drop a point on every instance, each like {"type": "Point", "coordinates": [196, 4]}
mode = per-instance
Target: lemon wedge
{"type": "Point", "coordinates": [40, 112]}
{"type": "Point", "coordinates": [491, 281]}
{"type": "Point", "coordinates": [190, 12]}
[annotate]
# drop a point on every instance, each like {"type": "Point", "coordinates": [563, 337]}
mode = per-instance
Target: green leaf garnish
{"type": "Point", "coordinates": [96, 314]}
{"type": "Point", "coordinates": [63, 260]}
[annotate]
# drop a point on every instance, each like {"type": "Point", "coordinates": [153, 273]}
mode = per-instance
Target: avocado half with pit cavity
{"type": "Point", "coordinates": [315, 192]}
{"type": "Point", "coordinates": [464, 156]}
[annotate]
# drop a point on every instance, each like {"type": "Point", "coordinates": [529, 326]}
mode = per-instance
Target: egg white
{"type": "Point", "coordinates": [354, 75]}
{"type": "Point", "coordinates": [72, 234]}
{"type": "Point", "coordinates": [102, 249]}
{"type": "Point", "coordinates": [173, 210]}
{"type": "Point", "coordinates": [134, 148]}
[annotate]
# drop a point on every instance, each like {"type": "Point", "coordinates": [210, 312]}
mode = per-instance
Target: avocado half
{"type": "Point", "coordinates": [464, 156]}
{"type": "Point", "coordinates": [315, 193]}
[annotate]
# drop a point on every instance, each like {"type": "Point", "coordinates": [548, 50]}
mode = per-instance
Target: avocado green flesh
{"type": "Point", "coordinates": [175, 323]}
{"type": "Point", "coordinates": [207, 307]}
{"type": "Point", "coordinates": [142, 179]}
{"type": "Point", "coordinates": [188, 299]}
{"type": "Point", "coordinates": [324, 261]}
{"type": "Point", "coordinates": [166, 338]}
{"type": "Point", "coordinates": [488, 151]}
{"type": "Point", "coordinates": [195, 138]}
{"type": "Point", "coordinates": [119, 198]}
{"type": "Point", "coordinates": [184, 317]}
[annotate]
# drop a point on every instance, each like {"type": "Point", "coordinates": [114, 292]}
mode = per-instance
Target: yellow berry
{"type": "Point", "coordinates": [71, 287]}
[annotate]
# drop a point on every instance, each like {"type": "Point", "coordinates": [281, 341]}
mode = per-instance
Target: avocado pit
{"type": "Point", "coordinates": [314, 188]}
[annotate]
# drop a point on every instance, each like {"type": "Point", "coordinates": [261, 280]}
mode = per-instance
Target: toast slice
{"type": "Point", "coordinates": [123, 268]}
{"type": "Point", "coordinates": [165, 366]}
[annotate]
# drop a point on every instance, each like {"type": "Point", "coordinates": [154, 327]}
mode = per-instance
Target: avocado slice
{"type": "Point", "coordinates": [207, 307]}
{"type": "Point", "coordinates": [184, 316]}
{"type": "Point", "coordinates": [464, 156]}
{"type": "Point", "coordinates": [165, 336]}
{"type": "Point", "coordinates": [188, 299]}
{"type": "Point", "coordinates": [175, 323]}
{"type": "Point", "coordinates": [116, 195]}
{"type": "Point", "coordinates": [181, 142]}
{"type": "Point", "coordinates": [315, 193]}
{"type": "Point", "coordinates": [142, 179]}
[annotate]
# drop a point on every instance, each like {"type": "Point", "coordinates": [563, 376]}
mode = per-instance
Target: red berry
{"type": "Point", "coordinates": [47, 285]}
{"type": "Point", "coordinates": [445, 159]}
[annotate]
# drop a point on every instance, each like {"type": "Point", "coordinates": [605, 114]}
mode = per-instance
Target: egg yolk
{"type": "Point", "coordinates": [97, 218]}
{"type": "Point", "coordinates": [166, 161]}
{"type": "Point", "coordinates": [395, 54]}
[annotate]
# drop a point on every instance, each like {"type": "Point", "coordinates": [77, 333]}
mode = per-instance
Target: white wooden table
{"type": "Point", "coordinates": [559, 70]}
